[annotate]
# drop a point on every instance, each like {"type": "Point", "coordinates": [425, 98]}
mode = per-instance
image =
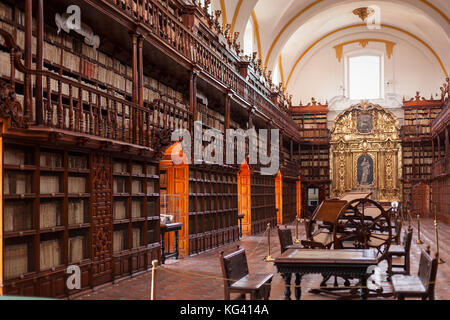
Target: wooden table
{"type": "Point", "coordinates": [165, 228]}
{"type": "Point", "coordinates": [353, 263]}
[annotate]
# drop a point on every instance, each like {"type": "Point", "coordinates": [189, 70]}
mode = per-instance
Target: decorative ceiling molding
{"type": "Point", "coordinates": [257, 35]}
{"type": "Point", "coordinates": [223, 7]}
{"type": "Point", "coordinates": [301, 12]}
{"type": "Point", "coordinates": [363, 43]}
{"type": "Point", "coordinates": [363, 25]}
{"type": "Point", "coordinates": [235, 16]}
{"type": "Point", "coordinates": [280, 67]}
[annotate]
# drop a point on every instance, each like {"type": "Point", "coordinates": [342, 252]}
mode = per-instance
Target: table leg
{"type": "Point", "coordinates": [298, 289]}
{"type": "Point", "coordinates": [287, 281]}
{"type": "Point", "coordinates": [176, 245]}
{"type": "Point", "coordinates": [364, 289]}
{"type": "Point", "coordinates": [163, 255]}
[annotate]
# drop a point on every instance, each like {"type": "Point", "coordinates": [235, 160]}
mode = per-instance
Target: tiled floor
{"type": "Point", "coordinates": [198, 277]}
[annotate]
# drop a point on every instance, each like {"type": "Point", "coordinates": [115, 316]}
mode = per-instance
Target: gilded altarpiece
{"type": "Point", "coordinates": [366, 153]}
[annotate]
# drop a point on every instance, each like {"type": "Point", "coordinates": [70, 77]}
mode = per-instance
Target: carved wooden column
{"type": "Point", "coordinates": [193, 96]}
{"type": "Point", "coordinates": [141, 71]}
{"type": "Point", "coordinates": [134, 37]}
{"type": "Point", "coordinates": [39, 61]}
{"type": "Point", "coordinates": [102, 218]}
{"type": "Point", "coordinates": [28, 57]}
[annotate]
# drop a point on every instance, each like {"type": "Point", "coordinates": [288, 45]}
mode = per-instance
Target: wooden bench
{"type": "Point", "coordinates": [420, 286]}
{"type": "Point", "coordinates": [238, 280]}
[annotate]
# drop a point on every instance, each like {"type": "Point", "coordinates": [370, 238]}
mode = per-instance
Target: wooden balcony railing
{"type": "Point", "coordinates": [74, 106]}
{"type": "Point", "coordinates": [171, 31]}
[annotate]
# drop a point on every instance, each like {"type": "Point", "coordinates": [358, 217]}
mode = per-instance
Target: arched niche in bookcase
{"type": "Point", "coordinates": [174, 180]}
{"type": "Point", "coordinates": [279, 197]}
{"type": "Point", "coordinates": [244, 197]}
{"type": "Point", "coordinates": [257, 200]}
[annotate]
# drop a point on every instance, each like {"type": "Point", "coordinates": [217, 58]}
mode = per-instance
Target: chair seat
{"type": "Point", "coordinates": [396, 250]}
{"type": "Point", "coordinates": [252, 282]}
{"type": "Point", "coordinates": [398, 261]}
{"type": "Point", "coordinates": [408, 284]}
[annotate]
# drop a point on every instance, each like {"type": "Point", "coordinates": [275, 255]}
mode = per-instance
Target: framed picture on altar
{"type": "Point", "coordinates": [365, 170]}
{"type": "Point", "coordinates": [365, 123]}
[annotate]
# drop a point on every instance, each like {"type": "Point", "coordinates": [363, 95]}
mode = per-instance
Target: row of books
{"type": "Point", "coordinates": [77, 184]}
{"type": "Point", "coordinates": [120, 209]}
{"type": "Point", "coordinates": [77, 211]}
{"type": "Point", "coordinates": [120, 240]}
{"type": "Point", "coordinates": [18, 215]}
{"type": "Point", "coordinates": [16, 260]}
{"type": "Point", "coordinates": [50, 184]}
{"type": "Point", "coordinates": [17, 182]}
{"type": "Point", "coordinates": [50, 254]}
{"type": "Point", "coordinates": [51, 160]}
{"type": "Point", "coordinates": [136, 209]}
{"type": "Point", "coordinates": [50, 214]}
{"type": "Point", "coordinates": [17, 156]}
{"type": "Point", "coordinates": [76, 248]}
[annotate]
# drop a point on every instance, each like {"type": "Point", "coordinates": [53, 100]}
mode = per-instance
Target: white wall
{"type": "Point", "coordinates": [412, 68]}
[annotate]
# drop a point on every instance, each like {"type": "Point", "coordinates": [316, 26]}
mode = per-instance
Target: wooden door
{"type": "Point", "coordinates": [420, 199]}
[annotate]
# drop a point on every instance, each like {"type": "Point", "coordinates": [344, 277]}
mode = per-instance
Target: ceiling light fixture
{"type": "Point", "coordinates": [363, 13]}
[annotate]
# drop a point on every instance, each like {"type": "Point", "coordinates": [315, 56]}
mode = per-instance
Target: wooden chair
{"type": "Point", "coordinates": [397, 230]}
{"type": "Point", "coordinates": [420, 286]}
{"type": "Point", "coordinates": [286, 242]}
{"type": "Point", "coordinates": [238, 280]}
{"type": "Point", "coordinates": [400, 252]}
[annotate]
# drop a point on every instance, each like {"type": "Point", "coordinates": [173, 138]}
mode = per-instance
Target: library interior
{"type": "Point", "coordinates": [110, 193]}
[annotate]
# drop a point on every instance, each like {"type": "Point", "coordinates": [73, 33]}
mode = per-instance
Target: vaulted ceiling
{"type": "Point", "coordinates": [290, 30]}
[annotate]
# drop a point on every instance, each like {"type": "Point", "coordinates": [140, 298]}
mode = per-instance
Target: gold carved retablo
{"type": "Point", "coordinates": [365, 153]}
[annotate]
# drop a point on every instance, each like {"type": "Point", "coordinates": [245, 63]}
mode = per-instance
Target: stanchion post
{"type": "Point", "coordinates": [436, 231]}
{"type": "Point", "coordinates": [297, 221]}
{"type": "Point", "coordinates": [269, 257]}
{"type": "Point", "coordinates": [153, 286]}
{"type": "Point", "coordinates": [419, 241]}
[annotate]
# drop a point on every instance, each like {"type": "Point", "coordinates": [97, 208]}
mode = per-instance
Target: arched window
{"type": "Point", "coordinates": [276, 77]}
{"type": "Point", "coordinates": [365, 77]}
{"type": "Point", "coordinates": [248, 39]}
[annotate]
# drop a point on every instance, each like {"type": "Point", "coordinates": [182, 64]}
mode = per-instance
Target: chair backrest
{"type": "Point", "coordinates": [407, 240]}
{"type": "Point", "coordinates": [285, 236]}
{"type": "Point", "coordinates": [234, 266]}
{"type": "Point", "coordinates": [428, 271]}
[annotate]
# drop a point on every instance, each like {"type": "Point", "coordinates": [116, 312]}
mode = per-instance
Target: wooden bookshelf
{"type": "Point", "coordinates": [263, 208]}
{"type": "Point", "coordinates": [46, 225]}
{"type": "Point", "coordinates": [213, 207]}
{"type": "Point", "coordinates": [135, 214]}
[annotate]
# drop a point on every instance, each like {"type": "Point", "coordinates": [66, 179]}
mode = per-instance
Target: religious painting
{"type": "Point", "coordinates": [365, 123]}
{"type": "Point", "coordinates": [365, 170]}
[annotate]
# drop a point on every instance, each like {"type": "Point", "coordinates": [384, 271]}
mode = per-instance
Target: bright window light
{"type": "Point", "coordinates": [364, 77]}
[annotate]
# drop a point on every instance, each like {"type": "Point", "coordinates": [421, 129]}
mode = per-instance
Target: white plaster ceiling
{"type": "Point", "coordinates": [289, 27]}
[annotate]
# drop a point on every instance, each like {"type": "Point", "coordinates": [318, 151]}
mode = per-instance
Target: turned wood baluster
{"type": "Point", "coordinates": [123, 121]}
{"type": "Point", "coordinates": [108, 118]}
{"type": "Point", "coordinates": [148, 142]}
{"type": "Point", "coordinates": [99, 122]}
{"type": "Point", "coordinates": [91, 114]}
{"type": "Point", "coordinates": [80, 110]}
{"type": "Point", "coordinates": [49, 102]}
{"type": "Point", "coordinates": [60, 106]}
{"type": "Point", "coordinates": [70, 108]}
{"type": "Point", "coordinates": [116, 120]}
